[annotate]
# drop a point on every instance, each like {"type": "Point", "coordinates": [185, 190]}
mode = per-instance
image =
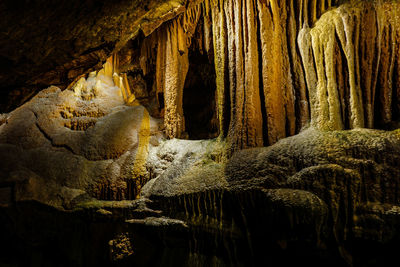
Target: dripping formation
{"type": "Point", "coordinates": [275, 71]}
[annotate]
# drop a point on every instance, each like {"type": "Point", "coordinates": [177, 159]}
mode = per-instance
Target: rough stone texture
{"type": "Point", "coordinates": [344, 183]}
{"type": "Point", "coordinates": [46, 43]}
{"type": "Point", "coordinates": [61, 145]}
{"type": "Point", "coordinates": [181, 166]}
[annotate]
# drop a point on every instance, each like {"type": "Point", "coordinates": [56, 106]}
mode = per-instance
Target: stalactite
{"type": "Point", "coordinates": [389, 27]}
{"type": "Point", "coordinates": [280, 64]}
{"type": "Point", "coordinates": [246, 35]}
{"type": "Point", "coordinates": [97, 82]}
{"type": "Point", "coordinates": [177, 65]}
{"type": "Point", "coordinates": [160, 65]}
{"type": "Point", "coordinates": [146, 53]}
{"type": "Point", "coordinates": [369, 62]}
{"type": "Point", "coordinates": [207, 26]}
{"type": "Point", "coordinates": [251, 102]}
{"type": "Point", "coordinates": [355, 75]}
{"type": "Point", "coordinates": [277, 81]}
{"type": "Point", "coordinates": [327, 97]}
{"type": "Point", "coordinates": [245, 128]}
{"type": "Point", "coordinates": [220, 57]}
{"type": "Point", "coordinates": [172, 66]}
{"type": "Point", "coordinates": [305, 47]}
{"type": "Point", "coordinates": [299, 84]}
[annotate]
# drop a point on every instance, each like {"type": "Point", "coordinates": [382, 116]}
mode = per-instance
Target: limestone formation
{"type": "Point", "coordinates": [302, 162]}
{"type": "Point", "coordinates": [351, 85]}
{"type": "Point", "coordinates": [277, 70]}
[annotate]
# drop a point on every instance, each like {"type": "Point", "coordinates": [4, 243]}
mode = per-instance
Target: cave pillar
{"type": "Point", "coordinates": [220, 58]}
{"type": "Point", "coordinates": [172, 65]}
{"type": "Point", "coordinates": [245, 129]}
{"type": "Point", "coordinates": [176, 68]}
{"type": "Point", "coordinates": [276, 73]}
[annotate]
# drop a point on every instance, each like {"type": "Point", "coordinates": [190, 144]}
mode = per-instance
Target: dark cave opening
{"type": "Point", "coordinates": [199, 98]}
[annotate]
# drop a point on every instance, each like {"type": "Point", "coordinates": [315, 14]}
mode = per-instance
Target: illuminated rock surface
{"type": "Point", "coordinates": [200, 133]}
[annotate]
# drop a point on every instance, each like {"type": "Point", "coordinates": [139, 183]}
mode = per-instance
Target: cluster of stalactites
{"type": "Point", "coordinates": [256, 67]}
{"type": "Point", "coordinates": [111, 70]}
{"type": "Point", "coordinates": [98, 82]}
{"type": "Point", "coordinates": [261, 87]}
{"type": "Point", "coordinates": [281, 64]}
{"type": "Point", "coordinates": [351, 60]}
{"type": "Point", "coordinates": [171, 42]}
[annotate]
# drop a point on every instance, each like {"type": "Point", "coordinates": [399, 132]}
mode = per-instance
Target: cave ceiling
{"type": "Point", "coordinates": [44, 43]}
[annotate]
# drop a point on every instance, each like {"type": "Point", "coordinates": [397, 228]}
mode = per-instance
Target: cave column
{"type": "Point", "coordinates": [172, 65]}
{"type": "Point", "coordinates": [245, 129]}
{"type": "Point", "coordinates": [176, 68]}
{"type": "Point", "coordinates": [220, 49]}
{"type": "Point", "coordinates": [276, 77]}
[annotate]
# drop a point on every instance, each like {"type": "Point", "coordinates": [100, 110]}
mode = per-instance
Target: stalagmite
{"type": "Point", "coordinates": [139, 171]}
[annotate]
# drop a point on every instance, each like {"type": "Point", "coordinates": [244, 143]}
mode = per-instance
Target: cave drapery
{"type": "Point", "coordinates": [275, 72]}
{"type": "Point", "coordinates": [281, 65]}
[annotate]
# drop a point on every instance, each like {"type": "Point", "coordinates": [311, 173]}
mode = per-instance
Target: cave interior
{"type": "Point", "coordinates": [200, 133]}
